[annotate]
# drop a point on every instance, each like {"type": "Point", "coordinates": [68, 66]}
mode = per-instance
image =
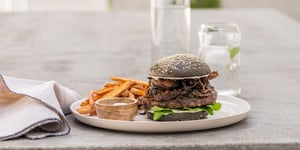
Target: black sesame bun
{"type": "Point", "coordinates": [179, 66]}
{"type": "Point", "coordinates": [180, 116]}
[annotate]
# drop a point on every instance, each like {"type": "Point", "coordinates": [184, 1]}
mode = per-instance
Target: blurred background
{"type": "Point", "coordinates": [289, 7]}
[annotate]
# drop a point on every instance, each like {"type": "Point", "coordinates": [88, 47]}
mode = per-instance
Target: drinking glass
{"type": "Point", "coordinates": [170, 27]}
{"type": "Point", "coordinates": [220, 49]}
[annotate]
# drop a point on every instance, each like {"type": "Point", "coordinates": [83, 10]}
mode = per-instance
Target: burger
{"type": "Point", "coordinates": [179, 89]}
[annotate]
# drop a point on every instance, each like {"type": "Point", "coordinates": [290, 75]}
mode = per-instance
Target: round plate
{"type": "Point", "coordinates": [233, 110]}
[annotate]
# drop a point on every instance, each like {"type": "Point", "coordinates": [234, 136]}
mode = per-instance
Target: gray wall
{"type": "Point", "coordinates": [290, 7]}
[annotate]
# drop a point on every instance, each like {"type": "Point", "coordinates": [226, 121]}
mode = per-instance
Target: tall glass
{"type": "Point", "coordinates": [170, 27]}
{"type": "Point", "coordinates": [220, 48]}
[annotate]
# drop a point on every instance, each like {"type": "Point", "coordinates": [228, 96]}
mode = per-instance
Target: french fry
{"type": "Point", "coordinates": [97, 97]}
{"type": "Point", "coordinates": [91, 98]}
{"type": "Point", "coordinates": [125, 93]}
{"type": "Point", "coordinates": [137, 92]}
{"type": "Point", "coordinates": [131, 95]}
{"type": "Point", "coordinates": [93, 112]}
{"type": "Point", "coordinates": [99, 93]}
{"type": "Point", "coordinates": [118, 90]}
{"type": "Point", "coordinates": [121, 79]}
{"type": "Point", "coordinates": [85, 102]}
{"type": "Point", "coordinates": [112, 84]}
{"type": "Point", "coordinates": [104, 90]}
{"type": "Point", "coordinates": [139, 86]}
{"type": "Point", "coordinates": [92, 103]}
{"type": "Point", "coordinates": [84, 109]}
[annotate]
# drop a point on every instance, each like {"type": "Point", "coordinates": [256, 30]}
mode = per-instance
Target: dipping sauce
{"type": "Point", "coordinates": [119, 104]}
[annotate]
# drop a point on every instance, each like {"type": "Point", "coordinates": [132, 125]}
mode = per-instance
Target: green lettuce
{"type": "Point", "coordinates": [158, 112]}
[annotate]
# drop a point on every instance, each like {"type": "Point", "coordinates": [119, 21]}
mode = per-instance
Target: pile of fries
{"type": "Point", "coordinates": [118, 87]}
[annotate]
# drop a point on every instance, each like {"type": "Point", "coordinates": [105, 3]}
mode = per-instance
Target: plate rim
{"type": "Point", "coordinates": [236, 117]}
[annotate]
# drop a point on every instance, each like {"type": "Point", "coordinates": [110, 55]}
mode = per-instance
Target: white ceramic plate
{"type": "Point", "coordinates": [233, 110]}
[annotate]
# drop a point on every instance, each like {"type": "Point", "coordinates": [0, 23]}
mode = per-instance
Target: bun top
{"type": "Point", "coordinates": [179, 66]}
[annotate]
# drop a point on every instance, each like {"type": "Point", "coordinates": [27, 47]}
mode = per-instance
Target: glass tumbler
{"type": "Point", "coordinates": [170, 27]}
{"type": "Point", "coordinates": [220, 49]}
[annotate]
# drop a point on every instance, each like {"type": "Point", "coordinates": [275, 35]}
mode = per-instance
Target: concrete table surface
{"type": "Point", "coordinates": [82, 50]}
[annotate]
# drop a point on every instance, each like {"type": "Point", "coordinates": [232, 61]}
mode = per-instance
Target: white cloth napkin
{"type": "Point", "coordinates": [33, 109]}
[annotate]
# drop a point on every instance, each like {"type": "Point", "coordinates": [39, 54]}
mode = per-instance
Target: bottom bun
{"type": "Point", "coordinates": [180, 116]}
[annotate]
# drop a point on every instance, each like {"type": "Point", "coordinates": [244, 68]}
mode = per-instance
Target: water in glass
{"type": "Point", "coordinates": [220, 49]}
{"type": "Point", "coordinates": [170, 26]}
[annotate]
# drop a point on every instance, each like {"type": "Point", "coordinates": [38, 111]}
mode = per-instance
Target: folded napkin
{"type": "Point", "coordinates": [33, 109]}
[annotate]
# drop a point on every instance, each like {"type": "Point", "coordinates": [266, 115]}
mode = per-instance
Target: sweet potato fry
{"type": "Point", "coordinates": [93, 112]}
{"type": "Point", "coordinates": [131, 95]}
{"type": "Point", "coordinates": [125, 93]}
{"type": "Point", "coordinates": [112, 84]}
{"type": "Point", "coordinates": [99, 93]}
{"type": "Point", "coordinates": [121, 79]}
{"type": "Point", "coordinates": [92, 103]}
{"type": "Point", "coordinates": [104, 90]}
{"type": "Point", "coordinates": [118, 90]}
{"type": "Point", "coordinates": [91, 98]}
{"type": "Point", "coordinates": [136, 91]}
{"type": "Point", "coordinates": [84, 109]}
{"type": "Point", "coordinates": [139, 86]}
{"type": "Point", "coordinates": [96, 97]}
{"type": "Point", "coordinates": [85, 102]}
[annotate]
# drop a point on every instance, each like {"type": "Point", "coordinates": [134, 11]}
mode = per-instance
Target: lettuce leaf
{"type": "Point", "coordinates": [158, 112]}
{"type": "Point", "coordinates": [216, 106]}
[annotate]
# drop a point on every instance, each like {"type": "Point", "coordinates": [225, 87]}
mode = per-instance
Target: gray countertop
{"type": "Point", "coordinates": [82, 50]}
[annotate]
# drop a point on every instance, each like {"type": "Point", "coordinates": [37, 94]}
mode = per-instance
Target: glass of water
{"type": "Point", "coordinates": [220, 49]}
{"type": "Point", "coordinates": [170, 27]}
